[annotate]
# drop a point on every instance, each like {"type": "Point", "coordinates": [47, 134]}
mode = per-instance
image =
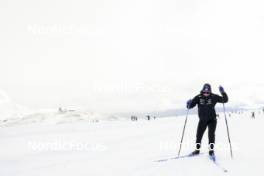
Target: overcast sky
{"type": "Point", "coordinates": [123, 55]}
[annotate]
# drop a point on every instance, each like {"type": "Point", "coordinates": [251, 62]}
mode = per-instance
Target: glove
{"type": "Point", "coordinates": [221, 90]}
{"type": "Point", "coordinates": [188, 105]}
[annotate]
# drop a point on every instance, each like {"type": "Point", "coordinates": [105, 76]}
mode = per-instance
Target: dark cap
{"type": "Point", "coordinates": [207, 88]}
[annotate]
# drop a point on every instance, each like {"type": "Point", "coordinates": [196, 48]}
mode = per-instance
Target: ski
{"type": "Point", "coordinates": [213, 159]}
{"type": "Point", "coordinates": [177, 157]}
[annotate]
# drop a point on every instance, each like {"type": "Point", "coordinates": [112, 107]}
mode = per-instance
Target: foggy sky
{"type": "Point", "coordinates": [116, 56]}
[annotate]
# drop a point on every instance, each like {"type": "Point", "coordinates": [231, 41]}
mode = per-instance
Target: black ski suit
{"type": "Point", "coordinates": [207, 116]}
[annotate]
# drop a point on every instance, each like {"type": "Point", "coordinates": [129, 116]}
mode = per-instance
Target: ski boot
{"type": "Point", "coordinates": [195, 153]}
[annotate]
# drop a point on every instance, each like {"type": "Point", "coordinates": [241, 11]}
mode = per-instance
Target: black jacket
{"type": "Point", "coordinates": [206, 105]}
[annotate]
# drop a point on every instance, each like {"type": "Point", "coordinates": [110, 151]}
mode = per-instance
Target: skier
{"type": "Point", "coordinates": [253, 115]}
{"type": "Point", "coordinates": [134, 118]}
{"type": "Point", "coordinates": [148, 117]}
{"type": "Point", "coordinates": [206, 102]}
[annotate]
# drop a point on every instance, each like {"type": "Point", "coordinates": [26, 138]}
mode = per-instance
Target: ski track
{"type": "Point", "coordinates": [131, 148]}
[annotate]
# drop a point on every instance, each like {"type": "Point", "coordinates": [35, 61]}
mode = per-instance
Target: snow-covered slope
{"type": "Point", "coordinates": [9, 109]}
{"type": "Point", "coordinates": [13, 114]}
{"type": "Point", "coordinates": [55, 117]}
{"type": "Point", "coordinates": [128, 148]}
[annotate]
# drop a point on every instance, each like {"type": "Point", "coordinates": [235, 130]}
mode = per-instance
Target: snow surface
{"type": "Point", "coordinates": [125, 148]}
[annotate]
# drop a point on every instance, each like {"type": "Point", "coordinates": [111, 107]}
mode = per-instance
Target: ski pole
{"type": "Point", "coordinates": [229, 140]}
{"type": "Point", "coordinates": [183, 132]}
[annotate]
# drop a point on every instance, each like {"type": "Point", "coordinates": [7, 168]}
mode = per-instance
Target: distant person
{"type": "Point", "coordinates": [206, 102]}
{"type": "Point", "coordinates": [253, 115]}
{"type": "Point", "coordinates": [133, 118]}
{"type": "Point", "coordinates": [60, 109]}
{"type": "Point", "coordinates": [148, 117]}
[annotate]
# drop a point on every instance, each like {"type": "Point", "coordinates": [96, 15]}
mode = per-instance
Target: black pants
{"type": "Point", "coordinates": [202, 125]}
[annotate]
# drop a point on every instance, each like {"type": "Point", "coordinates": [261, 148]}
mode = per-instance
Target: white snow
{"type": "Point", "coordinates": [125, 148]}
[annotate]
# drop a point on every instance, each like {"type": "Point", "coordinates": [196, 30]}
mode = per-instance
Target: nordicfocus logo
{"type": "Point", "coordinates": [174, 146]}
{"type": "Point", "coordinates": [65, 146]}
